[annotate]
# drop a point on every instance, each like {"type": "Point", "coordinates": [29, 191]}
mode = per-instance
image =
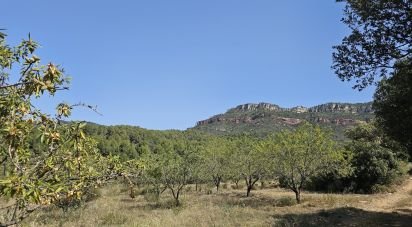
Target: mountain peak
{"type": "Point", "coordinates": [258, 106]}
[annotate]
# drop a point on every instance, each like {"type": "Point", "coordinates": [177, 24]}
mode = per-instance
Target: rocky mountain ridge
{"type": "Point", "coordinates": [358, 108]}
{"type": "Point", "coordinates": [263, 118]}
{"type": "Point", "coordinates": [327, 107]}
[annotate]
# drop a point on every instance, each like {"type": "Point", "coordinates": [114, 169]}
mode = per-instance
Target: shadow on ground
{"type": "Point", "coordinates": [344, 217]}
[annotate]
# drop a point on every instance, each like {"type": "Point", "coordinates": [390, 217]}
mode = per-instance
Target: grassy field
{"type": "Point", "coordinates": [229, 207]}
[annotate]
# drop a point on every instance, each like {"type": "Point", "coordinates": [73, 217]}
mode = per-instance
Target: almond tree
{"type": "Point", "coordinates": [299, 155]}
{"type": "Point", "coordinates": [174, 166]}
{"type": "Point", "coordinates": [215, 161]}
{"type": "Point", "coordinates": [66, 164]}
{"type": "Point", "coordinates": [249, 160]}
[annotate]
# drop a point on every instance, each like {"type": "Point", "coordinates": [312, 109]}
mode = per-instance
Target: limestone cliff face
{"type": "Point", "coordinates": [342, 107]}
{"type": "Point", "coordinates": [299, 109]}
{"type": "Point", "coordinates": [251, 113]}
{"type": "Point", "coordinates": [259, 106]}
{"type": "Point", "coordinates": [323, 108]}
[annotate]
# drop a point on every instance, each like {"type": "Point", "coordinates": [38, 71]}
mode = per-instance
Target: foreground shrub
{"type": "Point", "coordinates": [374, 166]}
{"type": "Point", "coordinates": [375, 160]}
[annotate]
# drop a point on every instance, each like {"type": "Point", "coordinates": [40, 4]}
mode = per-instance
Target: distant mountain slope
{"type": "Point", "coordinates": [264, 118]}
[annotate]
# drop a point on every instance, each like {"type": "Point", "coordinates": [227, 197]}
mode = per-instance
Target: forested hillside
{"type": "Point", "coordinates": [255, 119]}
{"type": "Point", "coordinates": [131, 141]}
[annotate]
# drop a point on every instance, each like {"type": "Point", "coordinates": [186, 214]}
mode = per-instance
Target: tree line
{"type": "Point", "coordinates": [305, 158]}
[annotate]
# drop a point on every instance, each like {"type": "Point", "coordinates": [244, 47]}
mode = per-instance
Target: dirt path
{"type": "Point", "coordinates": [390, 209]}
{"type": "Point", "coordinates": [399, 201]}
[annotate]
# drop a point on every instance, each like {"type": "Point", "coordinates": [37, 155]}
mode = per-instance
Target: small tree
{"type": "Point", "coordinates": [174, 166]}
{"type": "Point", "coordinates": [249, 161]}
{"type": "Point", "coordinates": [299, 155]}
{"type": "Point", "coordinates": [215, 161]}
{"type": "Point", "coordinates": [152, 174]}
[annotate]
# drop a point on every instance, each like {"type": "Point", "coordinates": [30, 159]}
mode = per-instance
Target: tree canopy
{"type": "Point", "coordinates": [301, 154]}
{"type": "Point", "coordinates": [65, 163]}
{"type": "Point", "coordinates": [393, 105]}
{"type": "Point", "coordinates": [380, 36]}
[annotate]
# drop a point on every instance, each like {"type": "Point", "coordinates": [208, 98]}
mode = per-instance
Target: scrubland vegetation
{"type": "Point", "coordinates": [270, 206]}
{"type": "Point", "coordinates": [59, 172]}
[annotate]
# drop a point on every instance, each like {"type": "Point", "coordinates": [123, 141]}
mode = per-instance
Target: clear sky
{"type": "Point", "coordinates": [164, 64]}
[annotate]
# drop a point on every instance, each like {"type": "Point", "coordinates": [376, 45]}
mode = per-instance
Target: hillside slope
{"type": "Point", "coordinates": [264, 118]}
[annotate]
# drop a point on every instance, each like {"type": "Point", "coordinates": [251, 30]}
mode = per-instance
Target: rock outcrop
{"type": "Point", "coordinates": [323, 108]}
{"type": "Point", "coordinates": [264, 118]}
{"type": "Point", "coordinates": [342, 107]}
{"type": "Point", "coordinates": [259, 106]}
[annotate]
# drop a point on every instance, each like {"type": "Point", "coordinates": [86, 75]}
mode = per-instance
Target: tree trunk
{"type": "Point", "coordinates": [297, 193]}
{"type": "Point", "coordinates": [131, 194]}
{"type": "Point", "coordinates": [177, 198]}
{"type": "Point", "coordinates": [249, 188]}
{"type": "Point", "coordinates": [249, 185]}
{"type": "Point", "coordinates": [175, 195]}
{"type": "Point", "coordinates": [217, 183]}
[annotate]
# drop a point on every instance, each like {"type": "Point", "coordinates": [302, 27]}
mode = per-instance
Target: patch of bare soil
{"type": "Point", "coordinates": [389, 209]}
{"type": "Point", "coordinates": [399, 201]}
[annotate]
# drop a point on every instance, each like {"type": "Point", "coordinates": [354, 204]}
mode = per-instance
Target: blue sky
{"type": "Point", "coordinates": [164, 64]}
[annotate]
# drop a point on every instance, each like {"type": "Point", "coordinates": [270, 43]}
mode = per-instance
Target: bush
{"type": "Point", "coordinates": [374, 169]}
{"type": "Point", "coordinates": [371, 164]}
{"type": "Point", "coordinates": [374, 166]}
{"type": "Point", "coordinates": [330, 182]}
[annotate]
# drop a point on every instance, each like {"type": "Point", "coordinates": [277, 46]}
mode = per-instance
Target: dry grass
{"type": "Point", "coordinates": [266, 207]}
